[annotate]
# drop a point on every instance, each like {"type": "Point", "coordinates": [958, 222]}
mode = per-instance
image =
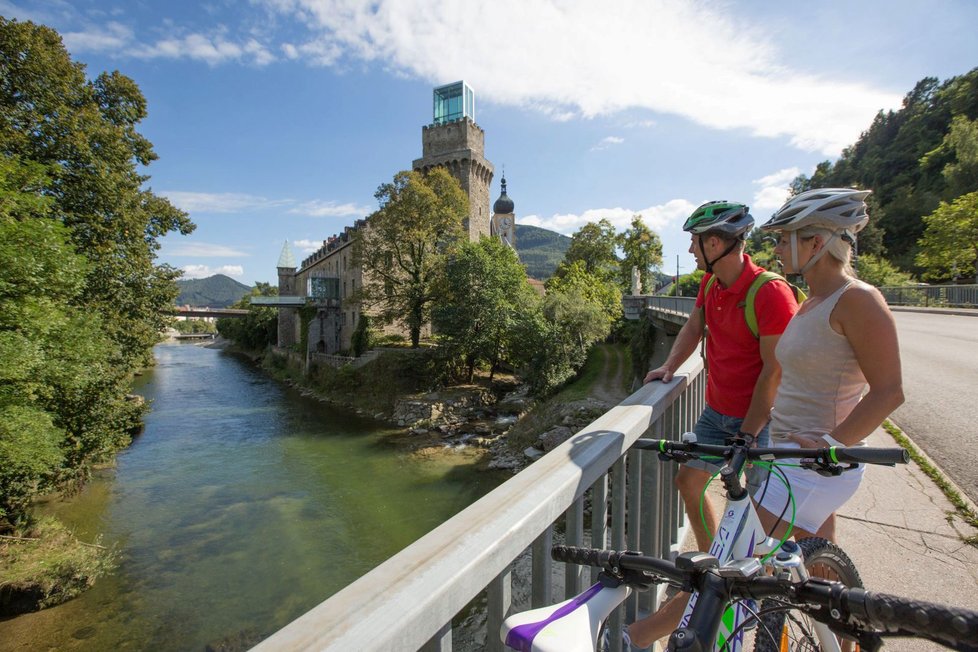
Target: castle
{"type": "Point", "coordinates": [328, 278]}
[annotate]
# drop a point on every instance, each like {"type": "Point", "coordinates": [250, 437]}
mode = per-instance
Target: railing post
{"type": "Point", "coordinates": [599, 518]}
{"type": "Point", "coordinates": [574, 535]}
{"type": "Point", "coordinates": [634, 521]}
{"type": "Point", "coordinates": [440, 642]}
{"type": "Point", "coordinates": [500, 597]}
{"type": "Point", "coordinates": [542, 583]}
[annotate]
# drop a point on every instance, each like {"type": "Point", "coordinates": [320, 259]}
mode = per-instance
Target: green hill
{"type": "Point", "coordinates": [218, 291]}
{"type": "Point", "coordinates": [540, 250]}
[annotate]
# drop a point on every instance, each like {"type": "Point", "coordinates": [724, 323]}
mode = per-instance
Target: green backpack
{"type": "Point", "coordinates": [750, 313]}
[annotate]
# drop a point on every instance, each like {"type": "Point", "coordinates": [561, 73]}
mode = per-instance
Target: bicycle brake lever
{"type": "Point", "coordinates": [823, 469]}
{"type": "Point", "coordinates": [675, 456]}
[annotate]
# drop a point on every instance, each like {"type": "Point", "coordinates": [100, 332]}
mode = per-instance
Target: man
{"type": "Point", "coordinates": [742, 372]}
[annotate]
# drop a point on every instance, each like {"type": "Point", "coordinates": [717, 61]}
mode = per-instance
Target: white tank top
{"type": "Point", "coordinates": [821, 381]}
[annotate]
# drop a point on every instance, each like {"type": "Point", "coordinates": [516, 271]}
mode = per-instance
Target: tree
{"type": "Point", "coordinates": [402, 248]}
{"type": "Point", "coordinates": [688, 285]}
{"type": "Point", "coordinates": [62, 405]}
{"type": "Point", "coordinates": [482, 294]}
{"type": "Point", "coordinates": [594, 246]}
{"type": "Point", "coordinates": [880, 272]}
{"type": "Point", "coordinates": [592, 288]}
{"type": "Point", "coordinates": [950, 243]}
{"type": "Point", "coordinates": [84, 132]}
{"type": "Point", "coordinates": [643, 250]}
{"type": "Point", "coordinates": [959, 154]}
{"type": "Point", "coordinates": [259, 328]}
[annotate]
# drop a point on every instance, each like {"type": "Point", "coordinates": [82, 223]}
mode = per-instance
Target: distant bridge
{"type": "Point", "coordinates": [191, 311]}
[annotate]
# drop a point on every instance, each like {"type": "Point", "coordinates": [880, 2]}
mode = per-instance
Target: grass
{"type": "Point", "coordinates": [581, 386]}
{"type": "Point", "coordinates": [46, 565]}
{"type": "Point", "coordinates": [962, 508]}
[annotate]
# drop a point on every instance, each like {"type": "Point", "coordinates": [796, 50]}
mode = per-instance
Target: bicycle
{"type": "Point", "coordinates": [717, 619]}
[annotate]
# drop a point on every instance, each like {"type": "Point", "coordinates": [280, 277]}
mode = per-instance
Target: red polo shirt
{"type": "Point", "coordinates": [733, 354]}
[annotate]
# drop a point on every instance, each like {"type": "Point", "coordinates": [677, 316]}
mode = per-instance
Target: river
{"type": "Point", "coordinates": [241, 506]}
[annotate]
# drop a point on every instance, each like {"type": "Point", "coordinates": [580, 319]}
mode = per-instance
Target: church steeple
{"type": "Point", "coordinates": [504, 205]}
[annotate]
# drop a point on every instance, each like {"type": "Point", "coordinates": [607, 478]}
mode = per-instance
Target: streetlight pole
{"type": "Point", "coordinates": [677, 276]}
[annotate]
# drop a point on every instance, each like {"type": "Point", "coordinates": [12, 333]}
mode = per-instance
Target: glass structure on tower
{"type": "Point", "coordinates": [453, 102]}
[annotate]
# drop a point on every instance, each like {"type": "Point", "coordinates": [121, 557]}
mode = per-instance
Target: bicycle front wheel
{"type": "Point", "coordinates": [786, 630]}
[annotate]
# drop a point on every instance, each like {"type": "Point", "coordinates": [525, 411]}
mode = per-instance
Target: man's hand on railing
{"type": "Point", "coordinates": [662, 373]}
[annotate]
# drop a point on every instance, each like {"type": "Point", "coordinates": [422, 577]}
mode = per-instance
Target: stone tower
{"type": "Point", "coordinates": [504, 217]}
{"type": "Point", "coordinates": [287, 317]}
{"type": "Point", "coordinates": [455, 141]}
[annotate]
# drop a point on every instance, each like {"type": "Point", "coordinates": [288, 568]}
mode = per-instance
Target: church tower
{"type": "Point", "coordinates": [286, 287]}
{"type": "Point", "coordinates": [504, 218]}
{"type": "Point", "coordinates": [455, 141]}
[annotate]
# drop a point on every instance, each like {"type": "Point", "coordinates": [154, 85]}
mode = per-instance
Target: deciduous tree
{"type": "Point", "coordinates": [481, 298]}
{"type": "Point", "coordinates": [950, 242]}
{"type": "Point", "coordinates": [402, 249]}
{"type": "Point", "coordinates": [84, 132]}
{"type": "Point", "coordinates": [642, 249]}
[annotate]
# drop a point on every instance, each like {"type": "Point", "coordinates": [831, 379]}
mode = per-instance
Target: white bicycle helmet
{"type": "Point", "coordinates": [840, 210]}
{"type": "Point", "coordinates": [832, 208]}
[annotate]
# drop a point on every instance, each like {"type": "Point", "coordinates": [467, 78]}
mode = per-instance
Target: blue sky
{"type": "Point", "coordinates": [278, 119]}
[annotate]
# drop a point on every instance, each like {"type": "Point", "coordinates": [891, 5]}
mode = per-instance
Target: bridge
{"type": "Point", "coordinates": [409, 601]}
{"type": "Point", "coordinates": [217, 313]}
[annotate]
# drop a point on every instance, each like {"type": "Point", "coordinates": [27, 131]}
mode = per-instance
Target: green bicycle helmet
{"type": "Point", "coordinates": [729, 218]}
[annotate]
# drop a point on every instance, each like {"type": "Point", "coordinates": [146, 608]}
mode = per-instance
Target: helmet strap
{"type": "Point", "coordinates": [710, 263]}
{"type": "Point", "coordinates": [814, 259]}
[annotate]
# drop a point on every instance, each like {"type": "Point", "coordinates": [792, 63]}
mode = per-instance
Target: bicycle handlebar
{"type": "Point", "coordinates": [824, 600]}
{"type": "Point", "coordinates": [823, 456]}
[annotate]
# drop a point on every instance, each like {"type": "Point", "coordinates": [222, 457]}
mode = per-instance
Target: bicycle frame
{"type": "Point", "coordinates": [739, 536]}
{"type": "Point", "coordinates": [574, 624]}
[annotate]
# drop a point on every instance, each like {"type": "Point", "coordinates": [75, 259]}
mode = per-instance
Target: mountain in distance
{"type": "Point", "coordinates": [218, 291]}
{"type": "Point", "coordinates": [540, 250]}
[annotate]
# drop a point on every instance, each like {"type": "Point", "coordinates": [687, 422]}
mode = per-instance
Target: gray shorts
{"type": "Point", "coordinates": [714, 428]}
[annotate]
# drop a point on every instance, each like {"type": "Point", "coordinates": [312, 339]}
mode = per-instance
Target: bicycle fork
{"type": "Point", "coordinates": [789, 562]}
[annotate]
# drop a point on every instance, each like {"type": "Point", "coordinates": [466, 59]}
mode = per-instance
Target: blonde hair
{"type": "Point", "coordinates": [837, 247]}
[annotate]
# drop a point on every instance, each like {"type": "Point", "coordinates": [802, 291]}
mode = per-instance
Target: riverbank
{"type": "Point", "coordinates": [497, 417]}
{"type": "Point", "coordinates": [45, 565]}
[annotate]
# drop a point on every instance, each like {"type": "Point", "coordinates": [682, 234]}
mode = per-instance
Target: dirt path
{"type": "Point", "coordinates": [610, 385]}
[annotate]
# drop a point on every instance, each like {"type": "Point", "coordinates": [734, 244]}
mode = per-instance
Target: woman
{"type": "Point", "coordinates": [842, 340]}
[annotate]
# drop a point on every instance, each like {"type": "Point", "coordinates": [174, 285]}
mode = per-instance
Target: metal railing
{"type": "Point", "coordinates": [409, 601]}
{"type": "Point", "coordinates": [941, 296]}
{"type": "Point", "coordinates": [676, 305]}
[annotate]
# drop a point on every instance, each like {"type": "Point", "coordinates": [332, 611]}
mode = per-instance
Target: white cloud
{"type": "Point", "coordinates": [203, 250]}
{"type": "Point", "coordinates": [221, 202]}
{"type": "Point", "coordinates": [307, 246]}
{"type": "Point", "coordinates": [773, 191]}
{"type": "Point", "coordinates": [113, 36]}
{"type": "Point", "coordinates": [590, 59]}
{"type": "Point", "coordinates": [320, 208]}
{"type": "Point", "coordinates": [607, 142]}
{"type": "Point", "coordinates": [203, 271]}
{"type": "Point", "coordinates": [213, 48]}
{"type": "Point", "coordinates": [661, 218]}
{"type": "Point", "coordinates": [596, 59]}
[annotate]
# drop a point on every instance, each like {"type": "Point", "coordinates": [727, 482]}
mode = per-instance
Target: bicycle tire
{"type": "Point", "coordinates": [789, 630]}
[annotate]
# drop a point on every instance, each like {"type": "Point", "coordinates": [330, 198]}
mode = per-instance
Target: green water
{"type": "Point", "coordinates": [240, 507]}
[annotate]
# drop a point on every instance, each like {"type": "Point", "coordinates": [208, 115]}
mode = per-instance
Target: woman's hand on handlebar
{"type": "Point", "coordinates": [810, 439]}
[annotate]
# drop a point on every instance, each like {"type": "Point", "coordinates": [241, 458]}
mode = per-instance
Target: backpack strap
{"type": "Point", "coordinates": [750, 312]}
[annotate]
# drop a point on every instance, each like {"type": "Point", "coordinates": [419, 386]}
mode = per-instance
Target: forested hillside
{"type": "Point", "coordinates": [913, 159]}
{"type": "Point", "coordinates": [218, 291]}
{"type": "Point", "coordinates": [540, 250]}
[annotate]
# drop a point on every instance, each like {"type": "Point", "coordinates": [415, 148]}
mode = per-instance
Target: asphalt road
{"type": "Point", "coordinates": [939, 354]}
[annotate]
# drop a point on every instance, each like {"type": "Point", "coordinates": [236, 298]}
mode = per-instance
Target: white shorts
{"type": "Point", "coordinates": [816, 496]}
